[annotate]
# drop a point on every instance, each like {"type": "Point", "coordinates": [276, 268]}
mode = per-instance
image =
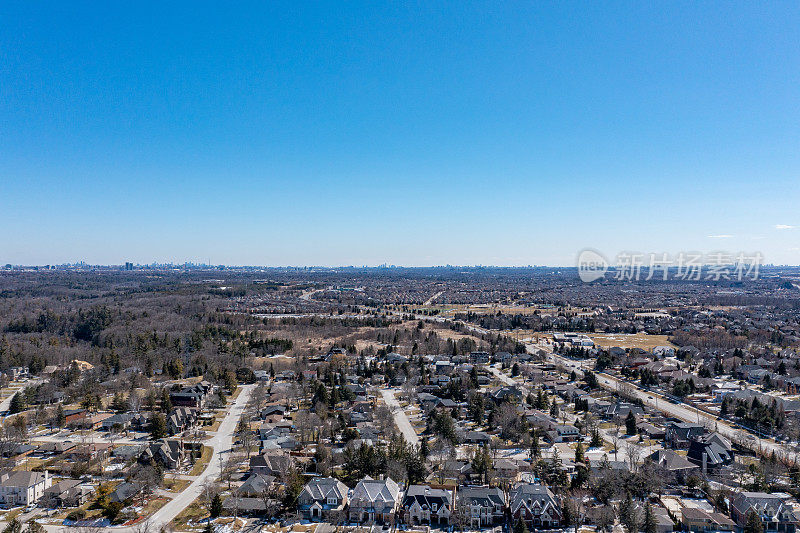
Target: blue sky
{"type": "Point", "coordinates": [418, 134]}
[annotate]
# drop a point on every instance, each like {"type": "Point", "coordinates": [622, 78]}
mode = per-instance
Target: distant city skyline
{"type": "Point", "coordinates": [360, 134]}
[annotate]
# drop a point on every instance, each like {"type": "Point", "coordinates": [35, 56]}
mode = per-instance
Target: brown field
{"type": "Point", "coordinates": [629, 340]}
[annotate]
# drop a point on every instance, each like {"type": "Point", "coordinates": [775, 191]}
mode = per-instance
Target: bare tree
{"type": "Point", "coordinates": [633, 453]}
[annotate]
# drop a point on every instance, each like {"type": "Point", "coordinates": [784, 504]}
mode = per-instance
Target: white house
{"type": "Point", "coordinates": [23, 488]}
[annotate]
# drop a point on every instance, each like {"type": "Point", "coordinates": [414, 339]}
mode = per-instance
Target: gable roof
{"type": "Point", "coordinates": [324, 488]}
{"type": "Point", "coordinates": [536, 498]}
{"type": "Point", "coordinates": [375, 490]}
{"type": "Point", "coordinates": [426, 496]}
{"type": "Point", "coordinates": [482, 496]}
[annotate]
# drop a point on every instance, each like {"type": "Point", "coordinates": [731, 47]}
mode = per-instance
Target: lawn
{"type": "Point", "coordinates": [194, 513]}
{"type": "Point", "coordinates": [200, 465]}
{"type": "Point", "coordinates": [176, 485]}
{"type": "Point", "coordinates": [153, 505]}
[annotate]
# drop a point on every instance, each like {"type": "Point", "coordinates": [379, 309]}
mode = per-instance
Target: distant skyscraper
{"type": "Point", "coordinates": [128, 265]}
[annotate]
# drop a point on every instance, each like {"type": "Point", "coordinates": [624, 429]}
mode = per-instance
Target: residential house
{"type": "Point", "coordinates": [535, 505]}
{"type": "Point", "coordinates": [621, 410]}
{"type": "Point", "coordinates": [181, 419]}
{"type": "Point", "coordinates": [425, 505]}
{"type": "Point", "coordinates": [75, 416]}
{"type": "Point", "coordinates": [699, 521]}
{"type": "Point", "coordinates": [484, 506]}
{"type": "Point", "coordinates": [167, 453]}
{"type": "Point", "coordinates": [256, 485]}
{"type": "Point", "coordinates": [479, 358]}
{"type": "Point", "coordinates": [117, 422]}
{"type": "Point", "coordinates": [677, 465]}
{"type": "Point", "coordinates": [774, 510]}
{"type": "Point", "coordinates": [322, 498]}
{"type": "Point", "coordinates": [563, 433]}
{"type": "Point", "coordinates": [271, 464]}
{"type": "Point", "coordinates": [89, 452]}
{"type": "Point", "coordinates": [374, 500]}
{"type": "Point", "coordinates": [681, 434]}
{"type": "Point", "coordinates": [67, 493]}
{"type": "Point", "coordinates": [125, 492]}
{"type": "Point", "coordinates": [23, 487]}
{"type": "Point", "coordinates": [194, 396]}
{"type": "Point", "coordinates": [711, 452]}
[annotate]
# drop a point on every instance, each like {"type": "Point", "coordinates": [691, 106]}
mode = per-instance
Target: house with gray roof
{"type": "Point", "coordinates": [774, 510]}
{"type": "Point", "coordinates": [23, 487]}
{"type": "Point", "coordinates": [484, 506]}
{"type": "Point", "coordinates": [321, 498]}
{"type": "Point", "coordinates": [425, 505]}
{"type": "Point", "coordinates": [374, 501]}
{"type": "Point", "coordinates": [535, 505]}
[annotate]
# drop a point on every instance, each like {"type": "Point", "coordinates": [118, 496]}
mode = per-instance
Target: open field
{"type": "Point", "coordinates": [629, 340]}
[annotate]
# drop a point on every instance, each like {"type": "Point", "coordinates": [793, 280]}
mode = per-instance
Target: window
{"type": "Point", "coordinates": [433, 507]}
{"type": "Point", "coordinates": [331, 501]}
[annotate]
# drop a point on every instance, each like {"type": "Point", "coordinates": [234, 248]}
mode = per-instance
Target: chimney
{"type": "Point", "coordinates": [705, 461]}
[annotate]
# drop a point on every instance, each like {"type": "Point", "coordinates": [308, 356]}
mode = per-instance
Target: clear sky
{"type": "Point", "coordinates": [351, 133]}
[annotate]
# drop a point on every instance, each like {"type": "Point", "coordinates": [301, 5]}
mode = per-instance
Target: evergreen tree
{"type": "Point", "coordinates": [650, 525]}
{"type": "Point", "coordinates": [535, 450]}
{"type": "Point", "coordinates": [579, 453]}
{"type": "Point", "coordinates": [166, 402]}
{"type": "Point", "coordinates": [596, 440]}
{"type": "Point", "coordinates": [158, 426]}
{"type": "Point", "coordinates": [627, 515]}
{"type": "Point", "coordinates": [17, 404]}
{"type": "Point", "coordinates": [754, 523]}
{"type": "Point", "coordinates": [630, 423]}
{"type": "Point", "coordinates": [61, 418]}
{"type": "Point", "coordinates": [216, 506]}
{"type": "Point", "coordinates": [14, 526]}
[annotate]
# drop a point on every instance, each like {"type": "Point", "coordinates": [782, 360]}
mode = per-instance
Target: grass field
{"type": "Point", "coordinates": [200, 465]}
{"type": "Point", "coordinates": [194, 513]}
{"type": "Point", "coordinates": [176, 485]}
{"type": "Point", "coordinates": [629, 340]}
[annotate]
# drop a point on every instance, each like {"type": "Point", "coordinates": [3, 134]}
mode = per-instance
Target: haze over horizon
{"type": "Point", "coordinates": [433, 134]}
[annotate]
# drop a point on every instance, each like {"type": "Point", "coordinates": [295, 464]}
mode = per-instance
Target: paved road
{"type": "Point", "coordinates": [680, 411]}
{"type": "Point", "coordinates": [430, 300]}
{"type": "Point", "coordinates": [400, 418]}
{"type": "Point", "coordinates": [221, 443]}
{"type": "Point", "coordinates": [6, 403]}
{"type": "Point", "coordinates": [606, 434]}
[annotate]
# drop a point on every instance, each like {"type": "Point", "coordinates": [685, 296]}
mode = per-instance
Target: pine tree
{"type": "Point", "coordinates": [754, 523]}
{"type": "Point", "coordinates": [650, 524]}
{"type": "Point", "coordinates": [579, 453]}
{"type": "Point", "coordinates": [17, 404]}
{"type": "Point", "coordinates": [596, 440]}
{"type": "Point", "coordinates": [535, 451]}
{"type": "Point", "coordinates": [158, 426]}
{"type": "Point", "coordinates": [61, 418]}
{"type": "Point", "coordinates": [216, 506]}
{"type": "Point", "coordinates": [630, 423]}
{"type": "Point", "coordinates": [14, 526]}
{"type": "Point", "coordinates": [627, 515]}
